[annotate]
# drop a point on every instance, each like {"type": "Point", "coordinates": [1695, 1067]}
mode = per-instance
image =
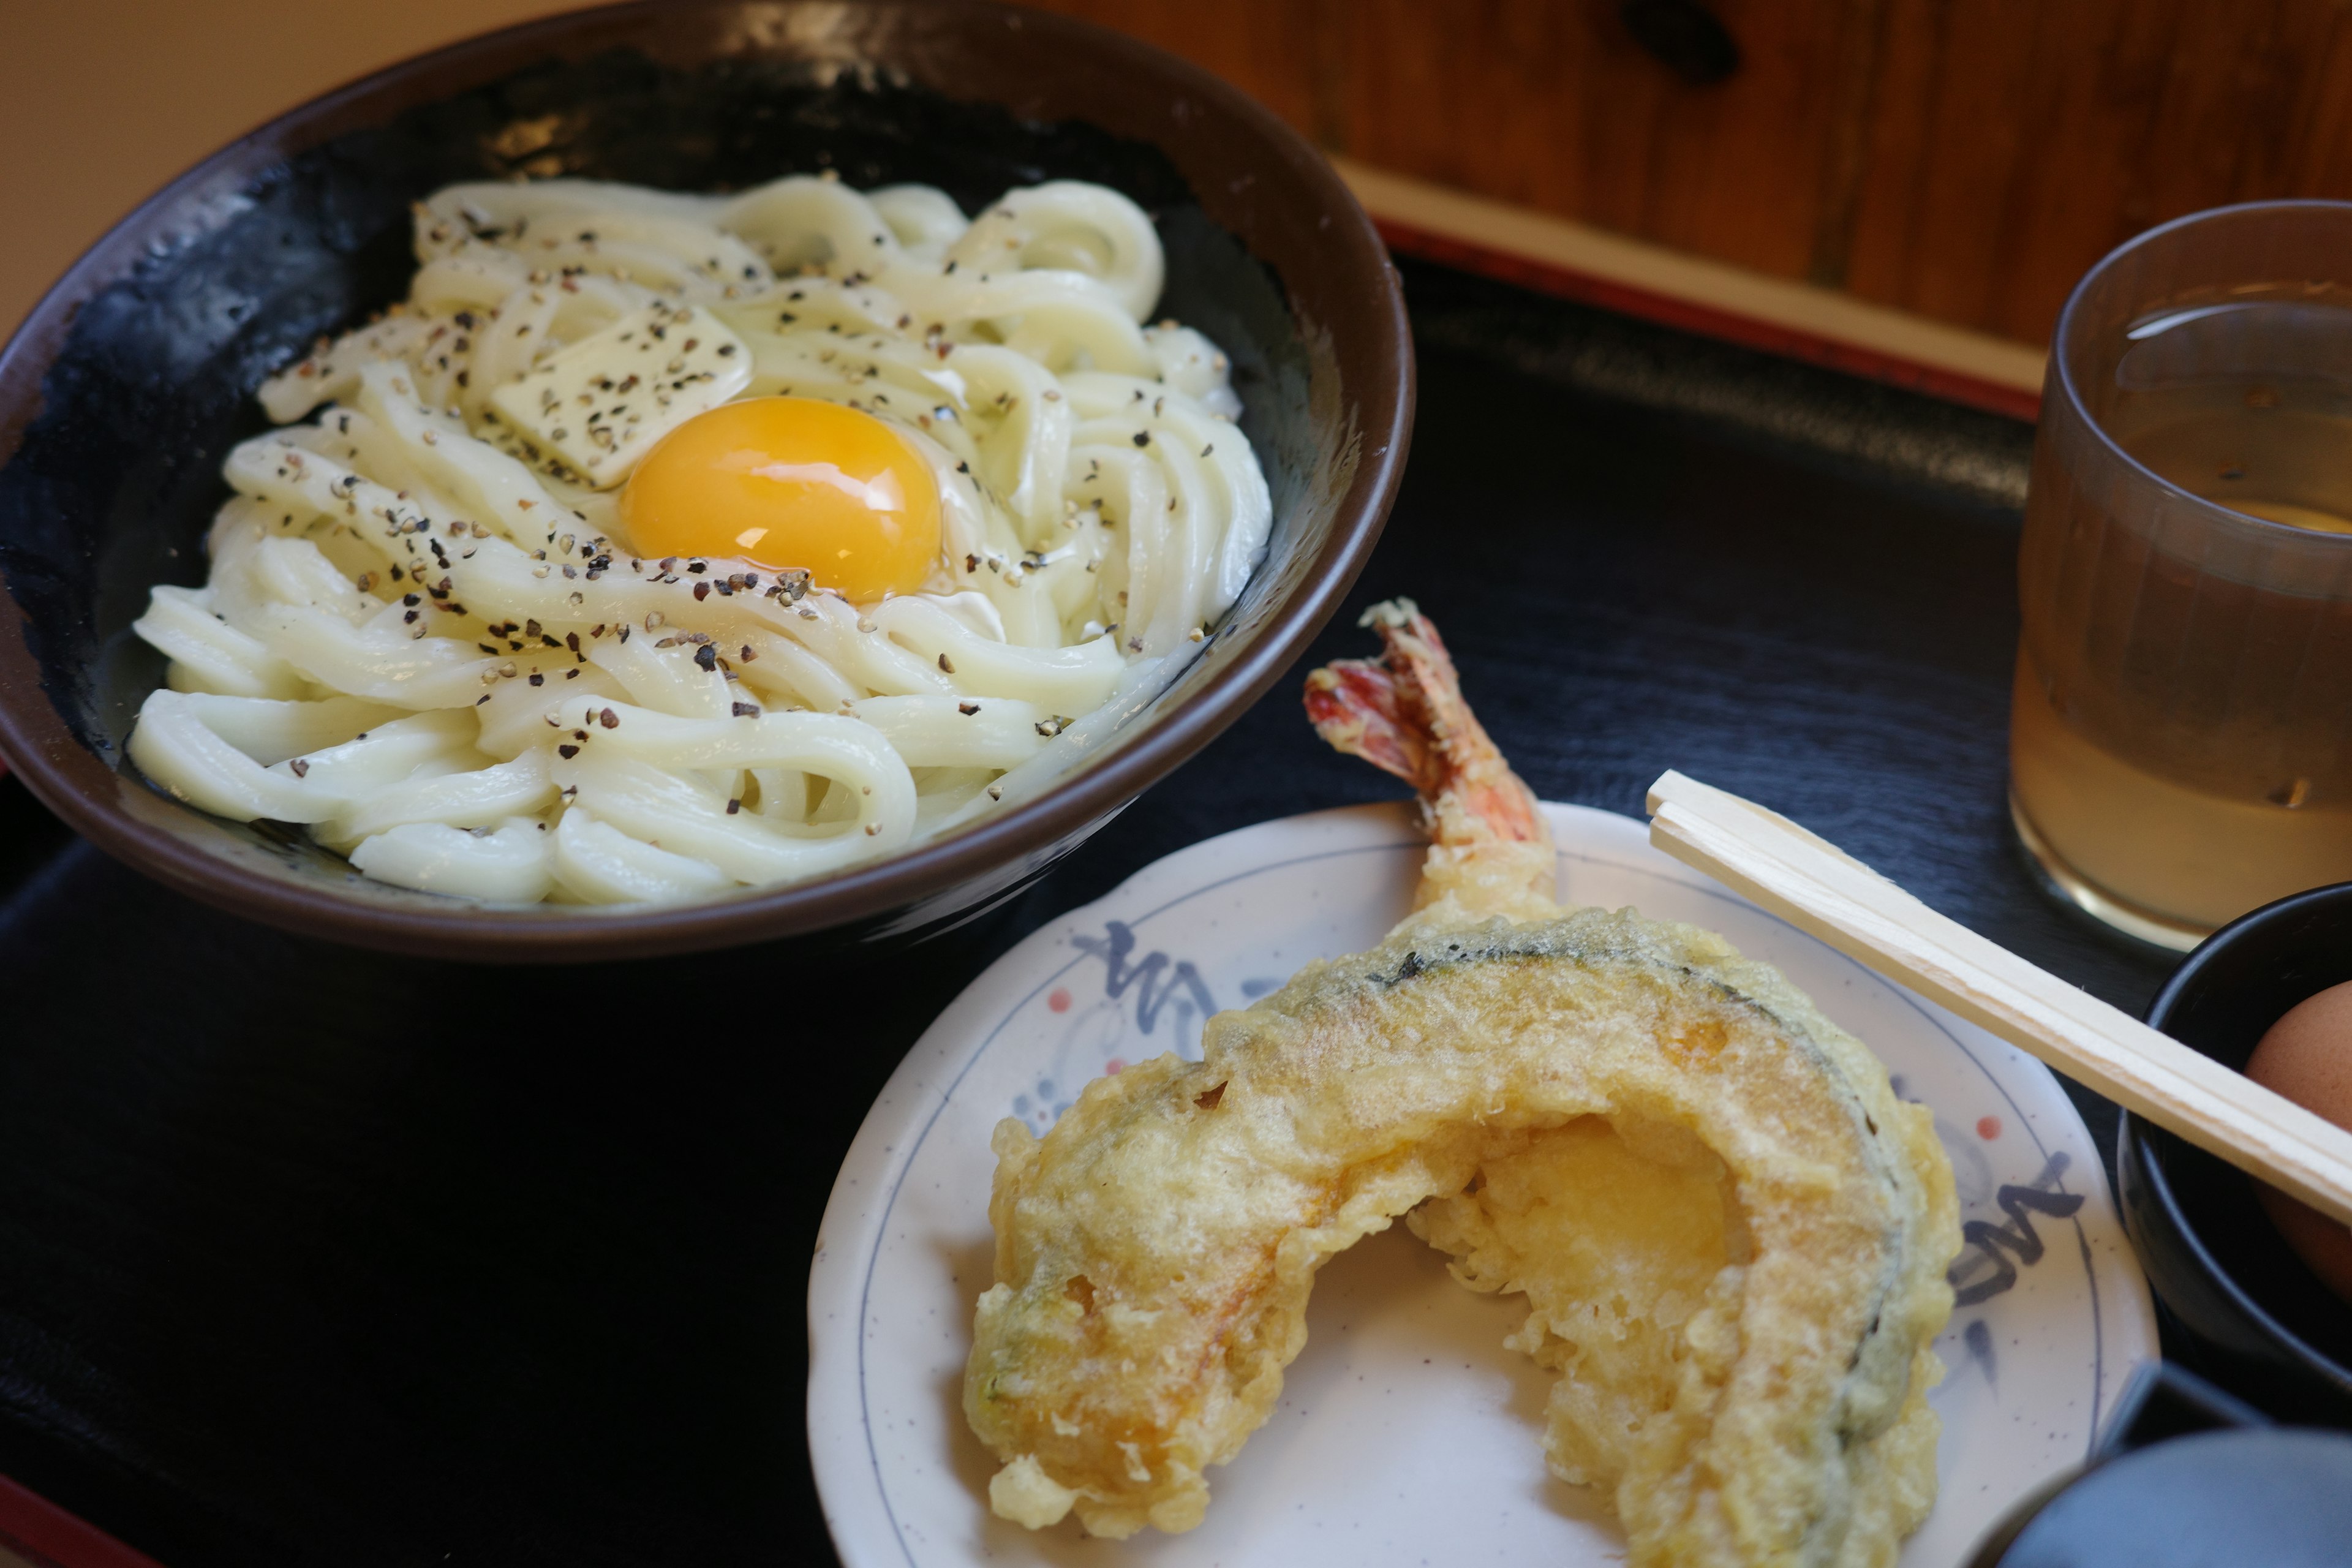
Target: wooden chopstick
{"type": "Point", "coordinates": [1826, 891]}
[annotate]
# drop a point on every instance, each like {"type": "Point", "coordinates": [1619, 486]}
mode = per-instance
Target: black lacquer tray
{"type": "Point", "coordinates": [312, 1255]}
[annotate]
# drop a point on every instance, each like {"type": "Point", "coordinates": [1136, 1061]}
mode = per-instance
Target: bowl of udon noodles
{"type": "Point", "coordinates": [680, 475]}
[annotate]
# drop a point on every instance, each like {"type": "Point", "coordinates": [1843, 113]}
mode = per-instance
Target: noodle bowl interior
{"type": "Point", "coordinates": [660, 545]}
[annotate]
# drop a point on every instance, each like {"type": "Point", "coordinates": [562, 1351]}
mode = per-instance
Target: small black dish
{"type": "Point", "coordinates": [2249, 1312]}
{"type": "Point", "coordinates": [2186, 1476]}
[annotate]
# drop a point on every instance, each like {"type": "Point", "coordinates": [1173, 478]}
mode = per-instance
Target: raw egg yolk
{"type": "Point", "coordinates": [790, 482]}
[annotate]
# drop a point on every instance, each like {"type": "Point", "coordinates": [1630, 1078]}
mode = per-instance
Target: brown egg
{"type": "Point", "coordinates": [2306, 1055]}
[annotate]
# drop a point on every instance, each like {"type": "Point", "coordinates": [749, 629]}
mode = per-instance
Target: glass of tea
{"type": "Point", "coordinates": [2180, 740]}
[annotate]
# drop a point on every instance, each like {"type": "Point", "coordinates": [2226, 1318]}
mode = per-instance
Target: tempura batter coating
{"type": "Point", "coordinates": [1731, 1234]}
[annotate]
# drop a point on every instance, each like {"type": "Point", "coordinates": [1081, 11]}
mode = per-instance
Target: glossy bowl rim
{"type": "Point", "coordinates": [2132, 1134]}
{"type": "Point", "coordinates": [42, 749]}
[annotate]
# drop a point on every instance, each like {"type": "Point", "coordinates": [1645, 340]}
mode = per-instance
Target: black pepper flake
{"type": "Point", "coordinates": [747, 711]}
{"type": "Point", "coordinates": [748, 654]}
{"type": "Point", "coordinates": [572, 641]}
{"type": "Point", "coordinates": [1143, 438]}
{"type": "Point", "coordinates": [411, 600]}
{"type": "Point", "coordinates": [537, 678]}
{"type": "Point", "coordinates": [300, 768]}
{"type": "Point", "coordinates": [610, 719]}
{"type": "Point", "coordinates": [967, 709]}
{"type": "Point", "coordinates": [549, 641]}
{"type": "Point", "coordinates": [947, 664]}
{"type": "Point", "coordinates": [702, 590]}
{"type": "Point", "coordinates": [409, 617]}
{"type": "Point", "coordinates": [706, 656]}
{"type": "Point", "coordinates": [698, 566]}
{"type": "Point", "coordinates": [486, 647]}
{"type": "Point", "coordinates": [734, 805]}
{"type": "Point", "coordinates": [567, 753]}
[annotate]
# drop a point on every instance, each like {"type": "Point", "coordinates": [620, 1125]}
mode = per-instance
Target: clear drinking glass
{"type": "Point", "coordinates": [2180, 740]}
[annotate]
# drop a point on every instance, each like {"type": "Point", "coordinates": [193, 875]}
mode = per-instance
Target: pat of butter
{"type": "Point", "coordinates": [595, 407]}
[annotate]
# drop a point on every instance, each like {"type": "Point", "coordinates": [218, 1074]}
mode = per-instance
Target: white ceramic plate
{"type": "Point", "coordinates": [1407, 1433]}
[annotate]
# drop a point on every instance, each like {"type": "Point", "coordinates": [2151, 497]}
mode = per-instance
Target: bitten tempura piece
{"type": "Point", "coordinates": [1731, 1234]}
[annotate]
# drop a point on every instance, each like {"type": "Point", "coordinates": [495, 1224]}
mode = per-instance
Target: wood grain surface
{"type": "Point", "coordinates": [1965, 160]}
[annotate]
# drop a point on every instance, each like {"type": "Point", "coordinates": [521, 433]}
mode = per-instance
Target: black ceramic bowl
{"type": "Point", "coordinates": [129, 382]}
{"type": "Point", "coordinates": [2254, 1315]}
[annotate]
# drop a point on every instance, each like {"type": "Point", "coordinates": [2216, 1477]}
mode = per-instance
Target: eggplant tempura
{"type": "Point", "coordinates": [1731, 1234]}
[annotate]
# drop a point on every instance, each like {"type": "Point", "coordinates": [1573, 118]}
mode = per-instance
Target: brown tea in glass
{"type": "Point", "coordinates": [2181, 733]}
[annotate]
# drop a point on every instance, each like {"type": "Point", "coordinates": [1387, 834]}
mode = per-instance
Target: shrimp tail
{"type": "Point", "coordinates": [1490, 850]}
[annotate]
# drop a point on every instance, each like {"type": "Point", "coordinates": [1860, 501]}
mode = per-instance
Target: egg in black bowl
{"type": "Point", "coordinates": [123, 391]}
{"type": "Point", "coordinates": [2248, 1309]}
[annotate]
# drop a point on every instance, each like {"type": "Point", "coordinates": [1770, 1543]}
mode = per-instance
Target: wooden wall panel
{"type": "Point", "coordinates": [1553, 106]}
{"type": "Point", "coordinates": [1964, 159]}
{"type": "Point", "coordinates": [2321, 159]}
{"type": "Point", "coordinates": [2012, 143]}
{"type": "Point", "coordinates": [1275, 50]}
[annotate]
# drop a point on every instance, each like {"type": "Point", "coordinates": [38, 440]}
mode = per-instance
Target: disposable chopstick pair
{"type": "Point", "coordinates": [1854, 909]}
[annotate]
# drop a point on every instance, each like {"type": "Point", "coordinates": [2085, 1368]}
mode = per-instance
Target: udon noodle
{"type": "Point", "coordinates": [426, 638]}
